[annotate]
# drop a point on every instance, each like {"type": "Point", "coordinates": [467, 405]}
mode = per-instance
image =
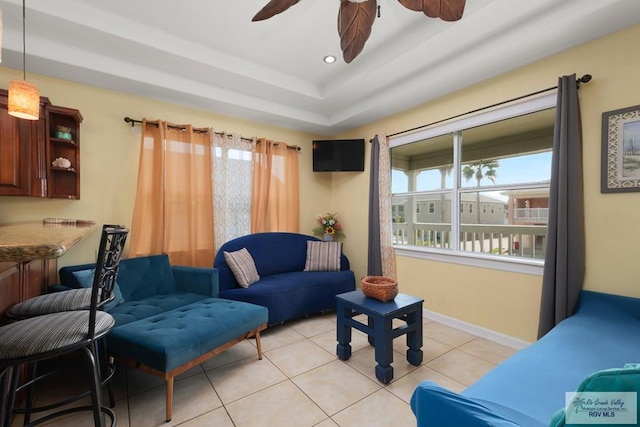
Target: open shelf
{"type": "Point", "coordinates": [59, 169]}
{"type": "Point", "coordinates": [64, 182]}
{"type": "Point", "coordinates": [63, 141]}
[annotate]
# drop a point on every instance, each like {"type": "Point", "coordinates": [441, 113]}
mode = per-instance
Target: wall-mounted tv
{"type": "Point", "coordinates": [338, 155]}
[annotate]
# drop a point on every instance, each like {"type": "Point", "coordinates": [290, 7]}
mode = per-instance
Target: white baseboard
{"type": "Point", "coordinates": [497, 337]}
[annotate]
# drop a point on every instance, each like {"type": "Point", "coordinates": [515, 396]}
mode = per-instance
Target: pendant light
{"type": "Point", "coordinates": [24, 97]}
{"type": "Point", "coordinates": [0, 35]}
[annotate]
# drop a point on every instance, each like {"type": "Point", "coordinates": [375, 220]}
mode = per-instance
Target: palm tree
{"type": "Point", "coordinates": [477, 170]}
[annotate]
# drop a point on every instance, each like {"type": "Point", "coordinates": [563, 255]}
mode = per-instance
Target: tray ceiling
{"type": "Point", "coordinates": [208, 54]}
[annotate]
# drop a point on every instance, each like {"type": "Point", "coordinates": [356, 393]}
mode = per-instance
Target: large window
{"type": "Point", "coordinates": [483, 189]}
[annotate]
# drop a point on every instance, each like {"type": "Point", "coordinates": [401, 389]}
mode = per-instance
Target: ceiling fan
{"type": "Point", "coordinates": [355, 18]}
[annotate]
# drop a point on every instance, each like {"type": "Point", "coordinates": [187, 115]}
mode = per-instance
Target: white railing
{"type": "Point", "coordinates": [515, 240]}
{"type": "Point", "coordinates": [531, 214]}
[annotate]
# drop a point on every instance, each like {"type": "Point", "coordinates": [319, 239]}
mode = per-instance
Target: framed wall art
{"type": "Point", "coordinates": [621, 150]}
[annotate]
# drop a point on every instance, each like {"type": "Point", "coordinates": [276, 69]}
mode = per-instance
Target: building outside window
{"type": "Point", "coordinates": [504, 164]}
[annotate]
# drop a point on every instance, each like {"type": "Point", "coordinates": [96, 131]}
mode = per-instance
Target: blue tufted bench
{"type": "Point", "coordinates": [169, 318]}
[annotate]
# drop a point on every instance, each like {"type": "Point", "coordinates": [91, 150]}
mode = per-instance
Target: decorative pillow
{"type": "Point", "coordinates": [243, 267]}
{"type": "Point", "coordinates": [85, 279]}
{"type": "Point", "coordinates": [323, 256]}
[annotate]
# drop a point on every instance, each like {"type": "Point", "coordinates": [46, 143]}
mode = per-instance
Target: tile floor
{"type": "Point", "coordinates": [300, 382]}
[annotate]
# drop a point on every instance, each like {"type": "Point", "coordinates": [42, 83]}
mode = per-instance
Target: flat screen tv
{"type": "Point", "coordinates": [338, 155]}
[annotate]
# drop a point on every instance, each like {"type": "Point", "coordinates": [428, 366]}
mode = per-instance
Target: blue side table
{"type": "Point", "coordinates": [379, 327]}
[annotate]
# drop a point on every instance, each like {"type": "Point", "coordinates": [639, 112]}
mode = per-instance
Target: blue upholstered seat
{"type": "Point", "coordinates": [529, 387]}
{"type": "Point", "coordinates": [284, 288]}
{"type": "Point", "coordinates": [168, 340]}
{"type": "Point", "coordinates": [172, 317]}
{"type": "Point", "coordinates": [131, 311]}
{"type": "Point", "coordinates": [151, 286]}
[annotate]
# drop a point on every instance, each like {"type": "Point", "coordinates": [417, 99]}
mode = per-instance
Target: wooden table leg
{"type": "Point", "coordinates": [383, 338]}
{"type": "Point", "coordinates": [343, 350]}
{"type": "Point", "coordinates": [414, 336]}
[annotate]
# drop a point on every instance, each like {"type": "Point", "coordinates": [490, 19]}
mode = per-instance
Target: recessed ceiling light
{"type": "Point", "coordinates": [329, 59]}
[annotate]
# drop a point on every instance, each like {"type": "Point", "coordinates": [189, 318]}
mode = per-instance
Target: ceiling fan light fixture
{"type": "Point", "coordinates": [329, 59]}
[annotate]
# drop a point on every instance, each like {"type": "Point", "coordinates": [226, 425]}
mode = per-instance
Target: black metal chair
{"type": "Point", "coordinates": [49, 336]}
{"type": "Point", "coordinates": [56, 302]}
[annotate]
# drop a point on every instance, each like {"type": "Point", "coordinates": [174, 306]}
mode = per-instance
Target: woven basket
{"type": "Point", "coordinates": [380, 287]}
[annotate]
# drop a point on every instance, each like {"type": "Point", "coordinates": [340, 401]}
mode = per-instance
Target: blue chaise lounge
{"type": "Point", "coordinates": [170, 318]}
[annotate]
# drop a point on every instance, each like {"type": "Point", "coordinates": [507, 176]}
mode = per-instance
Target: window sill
{"type": "Point", "coordinates": [513, 265]}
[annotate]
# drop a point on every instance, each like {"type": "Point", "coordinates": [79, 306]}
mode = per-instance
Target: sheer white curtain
{"type": "Point", "coordinates": [232, 186]}
{"type": "Point", "coordinates": [381, 257]}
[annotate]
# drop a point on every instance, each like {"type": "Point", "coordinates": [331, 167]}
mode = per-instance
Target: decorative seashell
{"type": "Point", "coordinates": [61, 162]}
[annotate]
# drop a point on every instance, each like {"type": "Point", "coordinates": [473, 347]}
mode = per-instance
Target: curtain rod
{"type": "Point", "coordinates": [584, 79]}
{"type": "Point", "coordinates": [134, 122]}
{"type": "Point", "coordinates": [197, 130]}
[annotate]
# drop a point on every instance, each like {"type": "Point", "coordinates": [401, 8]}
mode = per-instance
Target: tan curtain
{"type": "Point", "coordinates": [173, 211]}
{"type": "Point", "coordinates": [275, 200]}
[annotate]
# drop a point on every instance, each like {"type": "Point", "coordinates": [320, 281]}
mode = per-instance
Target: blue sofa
{"type": "Point", "coordinates": [284, 288]}
{"type": "Point", "coordinates": [530, 386]}
{"type": "Point", "coordinates": [170, 318]}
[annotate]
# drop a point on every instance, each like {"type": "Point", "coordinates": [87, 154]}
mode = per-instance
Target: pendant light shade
{"type": "Point", "coordinates": [24, 97]}
{"type": "Point", "coordinates": [24, 100]}
{"type": "Point", "coordinates": [0, 35]}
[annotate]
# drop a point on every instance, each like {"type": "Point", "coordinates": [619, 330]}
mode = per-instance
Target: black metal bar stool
{"type": "Point", "coordinates": [56, 302]}
{"type": "Point", "coordinates": [51, 335]}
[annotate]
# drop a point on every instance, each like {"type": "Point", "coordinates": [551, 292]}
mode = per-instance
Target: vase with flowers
{"type": "Point", "coordinates": [328, 227]}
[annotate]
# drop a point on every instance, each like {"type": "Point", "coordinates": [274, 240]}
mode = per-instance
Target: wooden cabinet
{"type": "Point", "coordinates": [9, 286]}
{"type": "Point", "coordinates": [22, 280]}
{"type": "Point", "coordinates": [22, 153]}
{"type": "Point", "coordinates": [28, 149]}
{"type": "Point", "coordinates": [64, 143]}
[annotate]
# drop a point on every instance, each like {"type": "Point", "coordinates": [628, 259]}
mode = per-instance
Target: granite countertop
{"type": "Point", "coordinates": [39, 240]}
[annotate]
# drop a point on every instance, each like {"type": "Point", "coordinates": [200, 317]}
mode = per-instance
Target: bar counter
{"type": "Point", "coordinates": [28, 256]}
{"type": "Point", "coordinates": [38, 240]}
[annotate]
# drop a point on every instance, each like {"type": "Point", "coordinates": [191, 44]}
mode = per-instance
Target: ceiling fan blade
{"type": "Point", "coordinates": [451, 10]}
{"type": "Point", "coordinates": [274, 7]}
{"type": "Point", "coordinates": [447, 10]}
{"type": "Point", "coordinates": [354, 26]}
{"type": "Point", "coordinates": [417, 5]}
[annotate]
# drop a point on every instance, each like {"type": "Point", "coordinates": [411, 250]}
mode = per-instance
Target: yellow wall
{"type": "Point", "coordinates": [109, 150]}
{"type": "Point", "coordinates": [508, 302]}
{"type": "Point", "coordinates": [470, 294]}
{"type": "Point", "coordinates": [505, 302]}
